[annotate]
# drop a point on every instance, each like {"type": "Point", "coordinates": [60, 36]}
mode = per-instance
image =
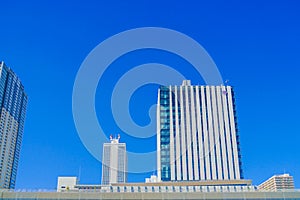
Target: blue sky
{"type": "Point", "coordinates": [255, 44]}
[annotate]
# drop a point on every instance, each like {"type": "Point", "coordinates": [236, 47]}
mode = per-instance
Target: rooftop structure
{"type": "Point", "coordinates": [152, 179]}
{"type": "Point", "coordinates": [69, 184]}
{"type": "Point", "coordinates": [66, 184]}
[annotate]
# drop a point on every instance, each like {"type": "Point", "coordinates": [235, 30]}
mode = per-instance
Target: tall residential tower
{"type": "Point", "coordinates": [197, 135]}
{"type": "Point", "coordinates": [13, 102]}
{"type": "Point", "coordinates": [114, 163]}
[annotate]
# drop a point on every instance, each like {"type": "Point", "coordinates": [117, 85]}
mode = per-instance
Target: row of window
{"type": "Point", "coordinates": [171, 189]}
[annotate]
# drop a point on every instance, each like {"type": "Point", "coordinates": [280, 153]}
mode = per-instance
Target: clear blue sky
{"type": "Point", "coordinates": [255, 44]}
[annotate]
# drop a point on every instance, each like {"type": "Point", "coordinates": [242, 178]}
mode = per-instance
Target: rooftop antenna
{"type": "Point", "coordinates": [224, 92]}
{"type": "Point", "coordinates": [79, 174]}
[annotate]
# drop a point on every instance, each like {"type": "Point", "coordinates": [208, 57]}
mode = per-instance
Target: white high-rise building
{"type": "Point", "coordinates": [114, 163]}
{"type": "Point", "coordinates": [197, 134]}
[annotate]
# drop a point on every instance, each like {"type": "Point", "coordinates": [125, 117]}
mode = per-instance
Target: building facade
{"type": "Point", "coordinates": [197, 137]}
{"type": "Point", "coordinates": [278, 182]}
{"type": "Point", "coordinates": [158, 193]}
{"type": "Point", "coordinates": [13, 102]}
{"type": "Point", "coordinates": [114, 163]}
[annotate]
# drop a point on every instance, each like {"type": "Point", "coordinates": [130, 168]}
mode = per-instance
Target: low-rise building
{"type": "Point", "coordinates": [238, 195]}
{"type": "Point", "coordinates": [278, 182]}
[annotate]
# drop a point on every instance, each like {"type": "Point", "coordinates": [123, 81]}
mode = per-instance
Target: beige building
{"type": "Point", "coordinates": [278, 182]}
